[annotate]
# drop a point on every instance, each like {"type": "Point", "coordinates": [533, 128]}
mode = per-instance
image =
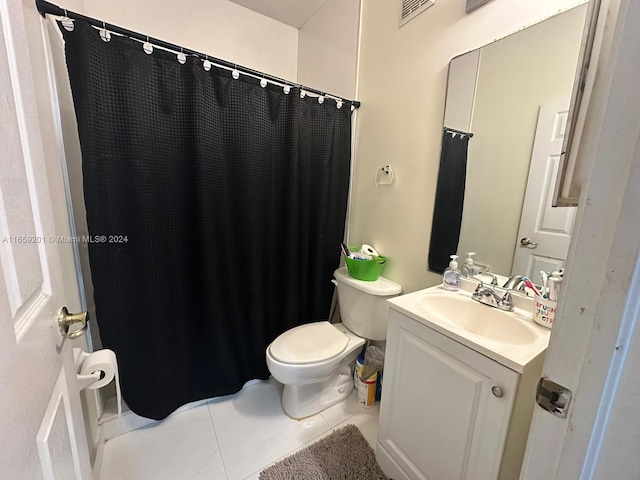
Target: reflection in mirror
{"type": "Point", "coordinates": [513, 95]}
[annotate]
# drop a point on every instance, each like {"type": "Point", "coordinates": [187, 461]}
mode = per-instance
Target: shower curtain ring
{"type": "Point", "coordinates": [147, 47]}
{"type": "Point", "coordinates": [182, 58]}
{"type": "Point", "coordinates": [66, 22]}
{"type": "Point", "coordinates": [206, 64]}
{"type": "Point", "coordinates": [104, 33]}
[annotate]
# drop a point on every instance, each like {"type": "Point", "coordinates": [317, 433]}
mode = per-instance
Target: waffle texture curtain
{"type": "Point", "coordinates": [447, 211]}
{"type": "Point", "coordinates": [221, 204]}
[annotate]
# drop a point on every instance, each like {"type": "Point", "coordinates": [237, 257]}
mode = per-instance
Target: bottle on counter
{"type": "Point", "coordinates": [451, 276]}
{"type": "Point", "coordinates": [469, 268]}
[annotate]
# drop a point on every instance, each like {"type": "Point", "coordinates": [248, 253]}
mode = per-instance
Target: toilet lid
{"type": "Point", "coordinates": [309, 343]}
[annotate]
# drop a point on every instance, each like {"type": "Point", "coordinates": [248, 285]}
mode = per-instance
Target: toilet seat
{"type": "Point", "coordinates": [309, 343]}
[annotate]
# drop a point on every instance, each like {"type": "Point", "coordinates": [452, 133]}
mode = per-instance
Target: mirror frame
{"type": "Point", "coordinates": [567, 194]}
{"type": "Point", "coordinates": [580, 92]}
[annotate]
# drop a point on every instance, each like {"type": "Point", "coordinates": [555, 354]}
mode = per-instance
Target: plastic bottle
{"type": "Point", "coordinates": [554, 286]}
{"type": "Point", "coordinates": [366, 388]}
{"type": "Point", "coordinates": [451, 276]}
{"type": "Point", "coordinates": [469, 268]}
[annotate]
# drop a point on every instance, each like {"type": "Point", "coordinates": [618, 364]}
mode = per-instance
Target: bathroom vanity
{"type": "Point", "coordinates": [459, 387]}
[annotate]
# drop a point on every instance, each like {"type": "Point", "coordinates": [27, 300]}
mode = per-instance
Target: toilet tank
{"type": "Point", "coordinates": [363, 305]}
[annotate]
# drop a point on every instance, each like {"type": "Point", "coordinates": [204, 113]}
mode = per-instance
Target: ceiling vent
{"type": "Point", "coordinates": [410, 9]}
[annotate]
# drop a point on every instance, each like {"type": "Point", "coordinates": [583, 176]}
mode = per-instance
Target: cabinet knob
{"type": "Point", "coordinates": [497, 391]}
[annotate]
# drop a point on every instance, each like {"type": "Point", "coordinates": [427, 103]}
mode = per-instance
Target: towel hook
{"type": "Point", "coordinates": [385, 177]}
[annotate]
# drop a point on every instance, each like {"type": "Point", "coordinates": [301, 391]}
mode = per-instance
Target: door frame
{"type": "Point", "coordinates": [599, 306]}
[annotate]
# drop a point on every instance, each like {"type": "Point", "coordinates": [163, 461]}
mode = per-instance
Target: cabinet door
{"type": "Point", "coordinates": [439, 419]}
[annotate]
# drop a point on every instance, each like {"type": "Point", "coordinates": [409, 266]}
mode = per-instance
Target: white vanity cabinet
{"type": "Point", "coordinates": [447, 411]}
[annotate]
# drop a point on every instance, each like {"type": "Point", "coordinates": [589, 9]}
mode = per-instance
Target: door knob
{"type": "Point", "coordinates": [497, 391]}
{"type": "Point", "coordinates": [526, 242]}
{"type": "Point", "coordinates": [66, 319]}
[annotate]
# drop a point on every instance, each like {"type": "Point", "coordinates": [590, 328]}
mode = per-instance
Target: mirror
{"type": "Point", "coordinates": [505, 117]}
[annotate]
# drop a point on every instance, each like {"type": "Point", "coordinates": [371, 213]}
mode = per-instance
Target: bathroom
{"type": "Point", "coordinates": [400, 77]}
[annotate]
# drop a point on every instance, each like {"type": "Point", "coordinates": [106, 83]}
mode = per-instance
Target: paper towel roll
{"type": "Point", "coordinates": [104, 362]}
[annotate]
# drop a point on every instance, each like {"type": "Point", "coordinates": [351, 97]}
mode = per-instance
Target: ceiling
{"type": "Point", "coordinates": [291, 12]}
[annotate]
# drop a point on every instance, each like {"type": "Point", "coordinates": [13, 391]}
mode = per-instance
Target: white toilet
{"type": "Point", "coordinates": [315, 361]}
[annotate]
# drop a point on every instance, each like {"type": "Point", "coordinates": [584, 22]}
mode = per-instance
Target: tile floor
{"type": "Point", "coordinates": [227, 438]}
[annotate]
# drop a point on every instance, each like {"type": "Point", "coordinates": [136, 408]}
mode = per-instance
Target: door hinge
{"type": "Point", "coordinates": [552, 397]}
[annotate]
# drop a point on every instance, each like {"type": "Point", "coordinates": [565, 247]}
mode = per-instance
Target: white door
{"type": "Point", "coordinates": [42, 434]}
{"type": "Point", "coordinates": [595, 341]}
{"type": "Point", "coordinates": [545, 231]}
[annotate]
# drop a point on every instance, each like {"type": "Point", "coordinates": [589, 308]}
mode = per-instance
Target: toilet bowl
{"type": "Point", "coordinates": [315, 361]}
{"type": "Point", "coordinates": [310, 387]}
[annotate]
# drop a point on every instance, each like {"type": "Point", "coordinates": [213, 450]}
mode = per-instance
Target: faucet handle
{"type": "Point", "coordinates": [494, 279]}
{"type": "Point", "coordinates": [507, 301]}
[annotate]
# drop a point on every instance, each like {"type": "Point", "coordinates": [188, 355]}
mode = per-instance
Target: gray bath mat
{"type": "Point", "coordinates": [343, 455]}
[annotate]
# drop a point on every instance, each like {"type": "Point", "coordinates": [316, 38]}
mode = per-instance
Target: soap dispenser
{"type": "Point", "coordinates": [469, 268]}
{"type": "Point", "coordinates": [451, 276]}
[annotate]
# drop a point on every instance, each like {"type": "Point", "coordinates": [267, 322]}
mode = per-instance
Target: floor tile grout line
{"type": "Point", "coordinates": [296, 449]}
{"type": "Point", "coordinates": [215, 434]}
{"type": "Point", "coordinates": [292, 452]}
{"type": "Point", "coordinates": [306, 444]}
{"type": "Point", "coordinates": [346, 418]}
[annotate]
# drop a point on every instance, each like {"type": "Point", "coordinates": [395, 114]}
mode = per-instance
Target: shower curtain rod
{"type": "Point", "coordinates": [45, 7]}
{"type": "Point", "coordinates": [453, 130]}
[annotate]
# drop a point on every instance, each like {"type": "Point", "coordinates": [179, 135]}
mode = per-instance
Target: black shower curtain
{"type": "Point", "coordinates": [447, 211]}
{"type": "Point", "coordinates": [216, 208]}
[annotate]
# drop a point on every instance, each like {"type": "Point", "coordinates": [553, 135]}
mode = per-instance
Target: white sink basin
{"type": "Point", "coordinates": [476, 318]}
{"type": "Point", "coordinates": [510, 338]}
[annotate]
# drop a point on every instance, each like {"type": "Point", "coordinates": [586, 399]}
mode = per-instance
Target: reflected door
{"type": "Point", "coordinates": [545, 231]}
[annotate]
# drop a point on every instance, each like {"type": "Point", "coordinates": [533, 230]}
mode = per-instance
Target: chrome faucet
{"type": "Point", "coordinates": [488, 296]}
{"type": "Point", "coordinates": [494, 279]}
{"type": "Point", "coordinates": [515, 282]}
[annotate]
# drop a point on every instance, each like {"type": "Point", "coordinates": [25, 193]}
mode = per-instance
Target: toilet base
{"type": "Point", "coordinates": [306, 400]}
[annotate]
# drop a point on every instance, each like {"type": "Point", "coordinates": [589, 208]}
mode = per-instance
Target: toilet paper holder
{"type": "Point", "coordinates": [84, 380]}
{"type": "Point", "coordinates": [97, 370]}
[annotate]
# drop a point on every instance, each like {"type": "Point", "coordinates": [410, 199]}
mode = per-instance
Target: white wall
{"type": "Point", "coordinates": [218, 28]}
{"type": "Point", "coordinates": [328, 47]}
{"type": "Point", "coordinates": [402, 82]}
